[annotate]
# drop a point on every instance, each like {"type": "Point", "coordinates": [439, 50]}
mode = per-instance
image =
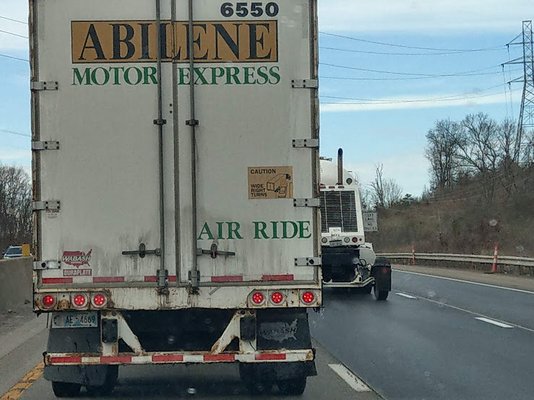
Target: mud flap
{"type": "Point", "coordinates": [277, 371]}
{"type": "Point", "coordinates": [283, 329]}
{"type": "Point", "coordinates": [75, 340]}
{"type": "Point", "coordinates": [88, 375]}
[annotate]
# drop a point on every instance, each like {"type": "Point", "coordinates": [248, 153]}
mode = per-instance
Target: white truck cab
{"type": "Point", "coordinates": [348, 261]}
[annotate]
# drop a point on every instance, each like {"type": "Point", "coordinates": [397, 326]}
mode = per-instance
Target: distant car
{"type": "Point", "coordinates": [13, 252]}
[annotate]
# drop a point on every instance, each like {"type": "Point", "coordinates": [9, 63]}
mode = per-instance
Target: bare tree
{"type": "Point", "coordinates": [384, 192]}
{"type": "Point", "coordinates": [15, 206]}
{"type": "Point", "coordinates": [442, 152]}
{"type": "Point", "coordinates": [507, 141]}
{"type": "Point", "coordinates": [479, 150]}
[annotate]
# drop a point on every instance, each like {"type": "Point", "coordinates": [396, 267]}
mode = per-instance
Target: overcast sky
{"type": "Point", "coordinates": [381, 87]}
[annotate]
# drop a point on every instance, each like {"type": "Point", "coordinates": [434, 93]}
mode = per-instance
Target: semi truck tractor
{"type": "Point", "coordinates": [348, 261]}
{"type": "Point", "coordinates": [176, 187]}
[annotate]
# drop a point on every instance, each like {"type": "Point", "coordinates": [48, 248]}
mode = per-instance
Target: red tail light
{"type": "Point", "coordinates": [48, 301]}
{"type": "Point", "coordinates": [258, 298]}
{"type": "Point", "coordinates": [308, 297]}
{"type": "Point", "coordinates": [79, 300]}
{"type": "Point", "coordinates": [354, 239]}
{"type": "Point", "coordinates": [99, 300]}
{"type": "Point", "coordinates": [277, 297]}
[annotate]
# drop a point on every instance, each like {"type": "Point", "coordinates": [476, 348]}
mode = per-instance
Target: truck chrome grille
{"type": "Point", "coordinates": [338, 210]}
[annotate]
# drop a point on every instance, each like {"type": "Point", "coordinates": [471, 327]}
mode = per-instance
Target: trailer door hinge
{"type": "Point", "coordinates": [314, 202]}
{"type": "Point", "coordinates": [308, 262]}
{"type": "Point", "coordinates": [306, 143]}
{"type": "Point", "coordinates": [46, 145]}
{"type": "Point", "coordinates": [46, 85]}
{"type": "Point", "coordinates": [305, 83]}
{"type": "Point", "coordinates": [48, 205]}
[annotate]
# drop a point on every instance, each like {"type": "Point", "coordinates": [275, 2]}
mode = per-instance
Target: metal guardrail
{"type": "Point", "coordinates": [473, 258]}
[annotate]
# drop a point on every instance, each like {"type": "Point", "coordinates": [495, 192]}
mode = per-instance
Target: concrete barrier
{"type": "Point", "coordinates": [15, 282]}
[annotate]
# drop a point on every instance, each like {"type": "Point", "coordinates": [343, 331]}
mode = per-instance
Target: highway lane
{"type": "Point", "coordinates": [511, 305]}
{"type": "Point", "coordinates": [426, 343]}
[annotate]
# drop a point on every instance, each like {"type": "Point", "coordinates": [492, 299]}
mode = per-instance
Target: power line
{"type": "Point", "coordinates": [14, 133]}
{"type": "Point", "coordinates": [494, 48]}
{"type": "Point", "coordinates": [392, 101]}
{"type": "Point", "coordinates": [349, 78]}
{"type": "Point", "coordinates": [403, 101]}
{"type": "Point", "coordinates": [13, 57]}
{"type": "Point", "coordinates": [463, 73]}
{"type": "Point", "coordinates": [13, 20]}
{"type": "Point", "coordinates": [14, 34]}
{"type": "Point", "coordinates": [389, 53]}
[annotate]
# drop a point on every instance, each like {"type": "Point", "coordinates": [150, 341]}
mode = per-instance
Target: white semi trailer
{"type": "Point", "coordinates": [176, 192]}
{"type": "Point", "coordinates": [348, 261]}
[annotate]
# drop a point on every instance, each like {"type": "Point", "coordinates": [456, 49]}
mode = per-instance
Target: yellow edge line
{"type": "Point", "coordinates": [27, 380]}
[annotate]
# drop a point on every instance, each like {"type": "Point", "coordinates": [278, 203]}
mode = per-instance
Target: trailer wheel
{"type": "Point", "coordinates": [66, 389]}
{"type": "Point", "coordinates": [380, 295]}
{"type": "Point", "coordinates": [112, 375]}
{"type": "Point", "coordinates": [292, 387]}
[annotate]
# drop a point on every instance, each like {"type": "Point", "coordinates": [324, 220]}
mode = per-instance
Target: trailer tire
{"type": "Point", "coordinates": [292, 387]}
{"type": "Point", "coordinates": [66, 389]}
{"type": "Point", "coordinates": [380, 295]}
{"type": "Point", "coordinates": [112, 375]}
{"type": "Point", "coordinates": [254, 386]}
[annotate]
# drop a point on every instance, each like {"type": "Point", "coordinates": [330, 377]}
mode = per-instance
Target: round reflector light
{"type": "Point", "coordinates": [277, 297]}
{"type": "Point", "coordinates": [324, 240]}
{"type": "Point", "coordinates": [346, 239]}
{"type": "Point", "coordinates": [79, 300]}
{"type": "Point", "coordinates": [258, 298]}
{"type": "Point", "coordinates": [308, 297]}
{"type": "Point", "coordinates": [99, 300]}
{"type": "Point", "coordinates": [48, 301]}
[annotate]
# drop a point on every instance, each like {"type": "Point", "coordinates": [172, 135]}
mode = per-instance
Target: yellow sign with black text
{"type": "Point", "coordinates": [270, 183]}
{"type": "Point", "coordinates": [137, 41]}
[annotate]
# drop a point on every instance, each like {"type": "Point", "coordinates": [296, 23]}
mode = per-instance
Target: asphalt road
{"type": "Point", "coordinates": [434, 339]}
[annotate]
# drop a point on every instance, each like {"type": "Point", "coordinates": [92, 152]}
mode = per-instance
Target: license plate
{"type": "Point", "coordinates": [336, 243]}
{"type": "Point", "coordinates": [83, 319]}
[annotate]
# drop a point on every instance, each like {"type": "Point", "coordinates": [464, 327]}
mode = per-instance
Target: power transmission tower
{"type": "Point", "coordinates": [525, 122]}
{"type": "Point", "coordinates": [526, 114]}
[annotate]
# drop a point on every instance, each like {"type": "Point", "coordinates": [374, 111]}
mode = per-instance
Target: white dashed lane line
{"type": "Point", "coordinates": [352, 380]}
{"type": "Point", "coordinates": [493, 322]}
{"type": "Point", "coordinates": [477, 316]}
{"type": "Point", "coordinates": [406, 296]}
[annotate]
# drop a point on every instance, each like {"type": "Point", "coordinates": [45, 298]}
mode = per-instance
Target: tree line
{"type": "Point", "coordinates": [478, 147]}
{"type": "Point", "coordinates": [15, 206]}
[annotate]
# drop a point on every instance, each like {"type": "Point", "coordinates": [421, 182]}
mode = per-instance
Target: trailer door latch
{"type": "Point", "coordinates": [213, 252]}
{"type": "Point", "coordinates": [142, 252]}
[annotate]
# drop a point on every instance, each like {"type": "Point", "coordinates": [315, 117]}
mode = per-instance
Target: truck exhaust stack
{"type": "Point", "coordinates": [340, 167]}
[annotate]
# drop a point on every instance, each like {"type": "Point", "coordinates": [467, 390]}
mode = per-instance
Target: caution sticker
{"type": "Point", "coordinates": [270, 183]}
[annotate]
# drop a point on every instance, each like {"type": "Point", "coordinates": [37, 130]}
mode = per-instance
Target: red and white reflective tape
{"type": "Point", "coordinates": [179, 358]}
{"type": "Point", "coordinates": [227, 278]}
{"type": "Point", "coordinates": [278, 278]}
{"type": "Point", "coordinates": [170, 278]}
